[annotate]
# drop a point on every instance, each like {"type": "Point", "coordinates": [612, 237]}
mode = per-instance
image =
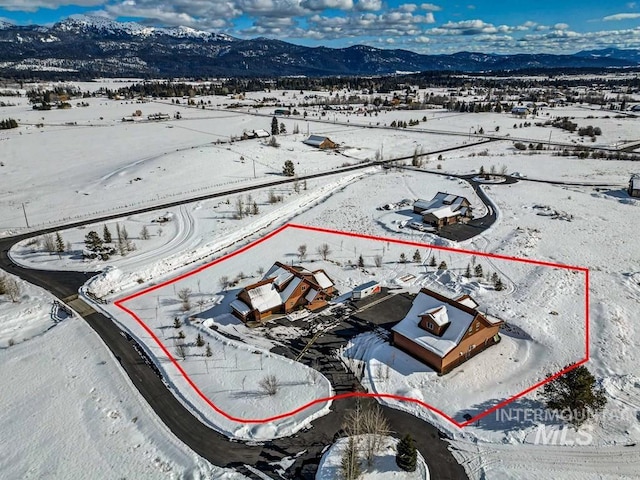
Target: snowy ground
{"type": "Point", "coordinates": [384, 463]}
{"type": "Point", "coordinates": [154, 162]}
{"type": "Point", "coordinates": [69, 412]}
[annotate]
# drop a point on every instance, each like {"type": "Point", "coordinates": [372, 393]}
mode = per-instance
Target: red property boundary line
{"type": "Point", "coordinates": [120, 304]}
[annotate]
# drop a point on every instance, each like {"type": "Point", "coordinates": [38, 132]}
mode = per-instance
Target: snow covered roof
{"type": "Point", "coordinates": [467, 301]}
{"type": "Point", "coordinates": [438, 315]}
{"type": "Point", "coordinates": [311, 295]}
{"type": "Point", "coordinates": [322, 280]}
{"type": "Point", "coordinates": [287, 292]}
{"type": "Point", "coordinates": [265, 297]}
{"type": "Point", "coordinates": [260, 133]}
{"type": "Point", "coordinates": [635, 181]}
{"type": "Point", "coordinates": [364, 286]}
{"type": "Point", "coordinates": [315, 140]}
{"type": "Point", "coordinates": [240, 307]}
{"type": "Point", "coordinates": [459, 324]}
{"type": "Point", "coordinates": [442, 205]}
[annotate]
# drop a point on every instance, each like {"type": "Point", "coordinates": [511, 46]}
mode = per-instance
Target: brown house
{"type": "Point", "coordinates": [320, 142]}
{"type": "Point", "coordinates": [444, 209]}
{"type": "Point", "coordinates": [444, 332]}
{"type": "Point", "coordinates": [282, 290]}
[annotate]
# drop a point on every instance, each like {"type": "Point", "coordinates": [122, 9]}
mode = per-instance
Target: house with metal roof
{"type": "Point", "coordinates": [320, 142]}
{"type": "Point", "coordinates": [445, 332]}
{"type": "Point", "coordinates": [444, 209]}
{"type": "Point", "coordinates": [283, 289]}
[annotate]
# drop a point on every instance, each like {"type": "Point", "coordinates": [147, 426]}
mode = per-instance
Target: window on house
{"type": "Point", "coordinates": [304, 287]}
{"type": "Point", "coordinates": [430, 326]}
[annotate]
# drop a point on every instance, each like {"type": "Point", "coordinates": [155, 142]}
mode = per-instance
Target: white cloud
{"type": "Point", "coordinates": [319, 5]}
{"type": "Point", "coordinates": [430, 7]}
{"type": "Point", "coordinates": [33, 5]}
{"type": "Point", "coordinates": [561, 26]}
{"type": "Point", "coordinates": [621, 16]}
{"type": "Point", "coordinates": [368, 5]}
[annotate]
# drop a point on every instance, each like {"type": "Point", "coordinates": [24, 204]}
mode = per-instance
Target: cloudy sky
{"type": "Point", "coordinates": [500, 26]}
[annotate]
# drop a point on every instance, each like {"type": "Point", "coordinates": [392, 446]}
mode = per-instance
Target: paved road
{"type": "Point", "coordinates": [218, 449]}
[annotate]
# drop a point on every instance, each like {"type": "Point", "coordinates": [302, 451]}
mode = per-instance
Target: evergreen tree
{"type": "Point", "coordinates": [254, 209]}
{"type": "Point", "coordinates": [59, 244]}
{"type": "Point", "coordinates": [144, 233]}
{"type": "Point", "coordinates": [407, 454]}
{"type": "Point", "coordinates": [443, 265]}
{"type": "Point", "coordinates": [432, 261]}
{"type": "Point", "coordinates": [498, 285]}
{"type": "Point", "coordinates": [288, 169]}
{"type": "Point", "coordinates": [93, 242]}
{"type": "Point", "coordinates": [106, 234]}
{"type": "Point", "coordinates": [478, 270]}
{"type": "Point", "coordinates": [417, 258]}
{"type": "Point", "coordinates": [403, 258]}
{"type": "Point", "coordinates": [360, 261]}
{"type": "Point", "coordinates": [283, 128]}
{"type": "Point", "coordinates": [274, 126]}
{"type": "Point", "coordinates": [207, 351]}
{"type": "Point", "coordinates": [199, 340]}
{"type": "Point", "coordinates": [574, 395]}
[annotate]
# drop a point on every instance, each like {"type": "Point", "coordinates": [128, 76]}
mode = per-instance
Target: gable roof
{"type": "Point", "coordinates": [316, 140]}
{"type": "Point", "coordinates": [443, 205]}
{"type": "Point", "coordinates": [441, 308]}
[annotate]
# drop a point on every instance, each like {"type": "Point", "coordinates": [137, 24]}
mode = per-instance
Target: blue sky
{"type": "Point", "coordinates": [498, 26]}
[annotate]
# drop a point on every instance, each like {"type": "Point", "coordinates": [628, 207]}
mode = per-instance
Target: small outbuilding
{"type": "Point", "coordinates": [320, 142]}
{"type": "Point", "coordinates": [366, 289]}
{"type": "Point", "coordinates": [634, 185]}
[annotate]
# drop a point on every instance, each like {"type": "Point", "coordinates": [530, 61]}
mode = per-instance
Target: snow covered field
{"type": "Point", "coordinates": [70, 412]}
{"type": "Point", "coordinates": [153, 162]}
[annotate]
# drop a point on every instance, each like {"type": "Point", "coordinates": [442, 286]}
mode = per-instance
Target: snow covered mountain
{"type": "Point", "coordinates": [89, 46]}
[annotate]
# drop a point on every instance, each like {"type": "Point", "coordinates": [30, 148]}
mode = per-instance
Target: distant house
{"type": "Point", "coordinates": [635, 108]}
{"type": "Point", "coordinates": [444, 209]}
{"type": "Point", "coordinates": [444, 332]}
{"type": "Point", "coordinates": [283, 289]}
{"type": "Point", "coordinates": [282, 111]}
{"type": "Point", "coordinates": [260, 133]}
{"type": "Point", "coordinates": [634, 185]}
{"type": "Point", "coordinates": [320, 142]}
{"type": "Point", "coordinates": [520, 111]}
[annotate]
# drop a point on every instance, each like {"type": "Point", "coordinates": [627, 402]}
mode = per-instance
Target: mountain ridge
{"type": "Point", "coordinates": [97, 46]}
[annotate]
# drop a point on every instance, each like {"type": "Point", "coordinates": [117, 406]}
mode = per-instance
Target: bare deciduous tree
{"type": "Point", "coordinates": [48, 243]}
{"type": "Point", "coordinates": [183, 295]}
{"type": "Point", "coordinates": [144, 233]}
{"type": "Point", "coordinates": [182, 350]}
{"type": "Point", "coordinates": [223, 282]}
{"type": "Point", "coordinates": [302, 252]}
{"type": "Point", "coordinates": [270, 384]}
{"type": "Point", "coordinates": [324, 251]}
{"type": "Point", "coordinates": [378, 260]}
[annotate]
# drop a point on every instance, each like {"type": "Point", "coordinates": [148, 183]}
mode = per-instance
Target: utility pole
{"type": "Point", "coordinates": [549, 144]}
{"type": "Point", "coordinates": [254, 167]}
{"type": "Point", "coordinates": [24, 210]}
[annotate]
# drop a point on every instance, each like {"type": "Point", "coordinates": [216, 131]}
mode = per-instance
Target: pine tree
{"type": "Point", "coordinates": [407, 454]}
{"type": "Point", "coordinates": [478, 270]}
{"type": "Point", "coordinates": [207, 351]}
{"type": "Point", "coordinates": [59, 244]}
{"type": "Point", "coordinates": [288, 169]}
{"type": "Point", "coordinates": [417, 258]}
{"type": "Point", "coordinates": [254, 209]}
{"type": "Point", "coordinates": [144, 233]}
{"type": "Point", "coordinates": [498, 285]}
{"type": "Point", "coordinates": [432, 262]}
{"type": "Point", "coordinates": [403, 258]}
{"type": "Point", "coordinates": [199, 340]}
{"type": "Point", "coordinates": [360, 261]}
{"type": "Point", "coordinates": [106, 234]}
{"type": "Point", "coordinates": [443, 265]}
{"type": "Point", "coordinates": [574, 395]}
{"type": "Point", "coordinates": [283, 128]}
{"type": "Point", "coordinates": [274, 126]}
{"type": "Point", "coordinates": [93, 242]}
